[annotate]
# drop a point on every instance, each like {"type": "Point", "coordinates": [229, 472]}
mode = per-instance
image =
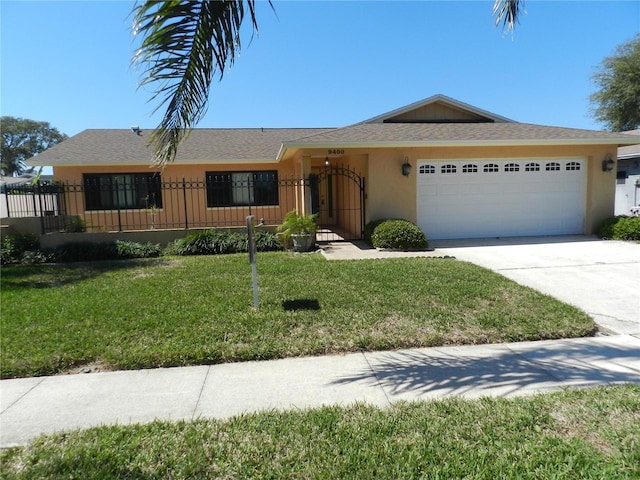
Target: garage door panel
{"type": "Point", "coordinates": [502, 203]}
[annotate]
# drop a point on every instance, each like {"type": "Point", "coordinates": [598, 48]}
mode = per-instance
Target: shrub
{"type": "Point", "coordinates": [214, 242]}
{"type": "Point", "coordinates": [74, 225]}
{"type": "Point", "coordinates": [627, 229]}
{"type": "Point", "coordinates": [606, 228]}
{"type": "Point", "coordinates": [18, 246]}
{"type": "Point", "coordinates": [369, 228]}
{"type": "Point", "coordinates": [400, 234]}
{"type": "Point", "coordinates": [127, 249]}
{"type": "Point", "coordinates": [85, 252]}
{"type": "Point", "coordinates": [620, 228]}
{"type": "Point", "coordinates": [268, 242]}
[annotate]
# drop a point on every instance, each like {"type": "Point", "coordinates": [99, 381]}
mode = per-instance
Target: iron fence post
{"type": "Point", "coordinates": [6, 198]}
{"type": "Point", "coordinates": [118, 207]}
{"type": "Point", "coordinates": [39, 192]}
{"type": "Point", "coordinates": [184, 197]}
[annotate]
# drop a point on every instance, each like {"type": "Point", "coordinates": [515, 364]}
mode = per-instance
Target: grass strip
{"type": "Point", "coordinates": [174, 311]}
{"type": "Point", "coordinates": [580, 434]}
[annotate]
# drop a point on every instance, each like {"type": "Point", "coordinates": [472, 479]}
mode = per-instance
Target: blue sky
{"type": "Point", "coordinates": [319, 64]}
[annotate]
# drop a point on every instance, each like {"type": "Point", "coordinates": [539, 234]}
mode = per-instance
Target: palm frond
{"type": "Point", "coordinates": [508, 12]}
{"type": "Point", "coordinates": [185, 44]}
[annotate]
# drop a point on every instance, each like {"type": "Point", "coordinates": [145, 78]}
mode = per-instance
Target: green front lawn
{"type": "Point", "coordinates": [580, 434]}
{"type": "Point", "coordinates": [198, 310]}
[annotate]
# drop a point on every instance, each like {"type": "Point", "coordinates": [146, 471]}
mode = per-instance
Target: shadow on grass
{"type": "Point", "coordinates": [47, 275]}
{"type": "Point", "coordinates": [301, 304]}
{"type": "Point", "coordinates": [500, 370]}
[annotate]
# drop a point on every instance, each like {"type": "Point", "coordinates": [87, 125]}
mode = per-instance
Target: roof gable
{"type": "Point", "coordinates": [438, 109]}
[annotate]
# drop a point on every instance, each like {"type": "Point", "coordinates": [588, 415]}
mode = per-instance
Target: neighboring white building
{"type": "Point", "coordinates": [628, 178]}
{"type": "Point", "coordinates": [24, 204]}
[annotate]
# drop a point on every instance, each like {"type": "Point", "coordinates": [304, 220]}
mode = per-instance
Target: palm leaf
{"type": "Point", "coordinates": [508, 12]}
{"type": "Point", "coordinates": [185, 44]}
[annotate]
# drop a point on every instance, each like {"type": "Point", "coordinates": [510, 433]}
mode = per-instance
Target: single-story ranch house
{"type": "Point", "coordinates": [453, 169]}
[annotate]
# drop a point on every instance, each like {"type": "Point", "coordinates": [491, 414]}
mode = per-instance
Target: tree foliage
{"type": "Point", "coordinates": [185, 43]}
{"type": "Point", "coordinates": [22, 139]}
{"type": "Point", "coordinates": [617, 102]}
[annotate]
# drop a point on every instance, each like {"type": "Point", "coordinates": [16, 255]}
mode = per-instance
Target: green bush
{"type": "Point", "coordinates": [606, 228]}
{"type": "Point", "coordinates": [268, 242]}
{"type": "Point", "coordinates": [74, 224]}
{"type": "Point", "coordinates": [400, 234]}
{"type": "Point", "coordinates": [85, 252]}
{"type": "Point", "coordinates": [215, 242]}
{"type": "Point", "coordinates": [627, 229]}
{"type": "Point", "coordinates": [369, 228]}
{"type": "Point", "coordinates": [620, 227]}
{"type": "Point", "coordinates": [127, 249]}
{"type": "Point", "coordinates": [17, 247]}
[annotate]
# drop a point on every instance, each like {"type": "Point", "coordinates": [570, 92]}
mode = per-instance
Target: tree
{"type": "Point", "coordinates": [22, 139]}
{"type": "Point", "coordinates": [185, 43]}
{"type": "Point", "coordinates": [617, 102]}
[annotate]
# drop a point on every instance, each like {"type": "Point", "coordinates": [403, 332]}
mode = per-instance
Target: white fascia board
{"type": "Point", "coordinates": [456, 143]}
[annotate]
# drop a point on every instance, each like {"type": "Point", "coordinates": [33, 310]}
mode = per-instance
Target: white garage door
{"type": "Point", "coordinates": [501, 198]}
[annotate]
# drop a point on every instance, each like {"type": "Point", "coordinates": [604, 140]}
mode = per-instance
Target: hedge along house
{"type": "Point", "coordinates": [453, 169]}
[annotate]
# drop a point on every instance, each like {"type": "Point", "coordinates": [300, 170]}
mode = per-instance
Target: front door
{"type": "Point", "coordinates": [323, 196]}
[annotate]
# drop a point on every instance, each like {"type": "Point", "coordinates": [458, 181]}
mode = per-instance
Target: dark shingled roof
{"type": "Point", "coordinates": [255, 145]}
{"type": "Point", "coordinates": [215, 145]}
{"type": "Point", "coordinates": [452, 134]}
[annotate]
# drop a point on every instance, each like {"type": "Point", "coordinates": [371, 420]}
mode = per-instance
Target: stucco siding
{"type": "Point", "coordinates": [391, 195]}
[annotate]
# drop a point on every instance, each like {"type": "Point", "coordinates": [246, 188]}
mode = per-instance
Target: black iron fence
{"type": "Point", "coordinates": [129, 202]}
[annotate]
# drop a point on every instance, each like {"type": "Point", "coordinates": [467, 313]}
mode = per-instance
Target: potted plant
{"type": "Point", "coordinates": [301, 229]}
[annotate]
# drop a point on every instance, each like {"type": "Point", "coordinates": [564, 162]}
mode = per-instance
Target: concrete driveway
{"type": "Point", "coordinates": [600, 277]}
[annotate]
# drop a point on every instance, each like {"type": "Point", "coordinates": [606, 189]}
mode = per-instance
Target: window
{"type": "Point", "coordinates": [469, 168]}
{"type": "Point", "coordinates": [512, 167]}
{"type": "Point", "coordinates": [111, 191]}
{"type": "Point", "coordinates": [491, 168]}
{"type": "Point", "coordinates": [552, 167]}
{"type": "Point", "coordinates": [427, 169]}
{"type": "Point", "coordinates": [573, 166]}
{"type": "Point", "coordinates": [532, 167]}
{"type": "Point", "coordinates": [448, 169]}
{"type": "Point", "coordinates": [230, 189]}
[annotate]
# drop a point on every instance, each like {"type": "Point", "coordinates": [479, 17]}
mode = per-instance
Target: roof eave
{"type": "Point", "coordinates": [454, 143]}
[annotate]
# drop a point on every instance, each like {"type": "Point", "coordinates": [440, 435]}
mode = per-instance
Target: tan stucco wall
{"type": "Point", "coordinates": [174, 213]}
{"type": "Point", "coordinates": [391, 195]}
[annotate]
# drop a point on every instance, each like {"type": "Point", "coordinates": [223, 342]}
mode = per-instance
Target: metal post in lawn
{"type": "Point", "coordinates": [252, 257]}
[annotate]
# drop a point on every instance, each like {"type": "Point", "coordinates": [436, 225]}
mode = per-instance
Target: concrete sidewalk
{"type": "Point", "coordinates": [32, 406]}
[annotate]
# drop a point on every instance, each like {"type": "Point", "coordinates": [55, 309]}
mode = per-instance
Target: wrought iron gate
{"type": "Point", "coordinates": [338, 198]}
